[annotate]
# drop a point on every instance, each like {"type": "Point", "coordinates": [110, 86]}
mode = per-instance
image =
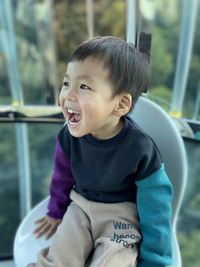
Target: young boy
{"type": "Point", "coordinates": [109, 185]}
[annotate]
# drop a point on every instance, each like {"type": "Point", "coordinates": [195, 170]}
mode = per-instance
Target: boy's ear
{"type": "Point", "coordinates": [124, 105]}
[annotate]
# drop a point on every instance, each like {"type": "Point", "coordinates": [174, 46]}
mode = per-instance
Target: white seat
{"type": "Point", "coordinates": [158, 124]}
{"type": "Point", "coordinates": [26, 246]}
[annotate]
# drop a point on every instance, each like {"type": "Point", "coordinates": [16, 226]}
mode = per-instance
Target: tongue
{"type": "Point", "coordinates": [75, 117]}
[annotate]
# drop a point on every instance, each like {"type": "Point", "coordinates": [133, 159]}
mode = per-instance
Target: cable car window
{"type": "Point", "coordinates": [36, 40]}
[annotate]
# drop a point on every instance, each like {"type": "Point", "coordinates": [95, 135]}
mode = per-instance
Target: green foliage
{"type": "Point", "coordinates": [189, 244]}
{"type": "Point", "coordinates": [5, 97]}
{"type": "Point", "coordinates": [161, 59]}
{"type": "Point", "coordinates": [161, 95]}
{"type": "Point", "coordinates": [110, 18]}
{"type": "Point", "coordinates": [195, 202]}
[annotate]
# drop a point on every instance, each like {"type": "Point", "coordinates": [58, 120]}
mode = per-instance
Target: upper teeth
{"type": "Point", "coordinates": [72, 111]}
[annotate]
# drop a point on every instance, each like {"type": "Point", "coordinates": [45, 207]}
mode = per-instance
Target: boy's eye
{"type": "Point", "coordinates": [85, 87]}
{"type": "Point", "coordinates": [65, 83]}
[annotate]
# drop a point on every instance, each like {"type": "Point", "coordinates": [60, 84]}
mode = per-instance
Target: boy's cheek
{"type": "Point", "coordinates": [61, 98]}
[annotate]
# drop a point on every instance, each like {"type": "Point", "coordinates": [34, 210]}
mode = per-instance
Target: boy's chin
{"type": "Point", "coordinates": [76, 133]}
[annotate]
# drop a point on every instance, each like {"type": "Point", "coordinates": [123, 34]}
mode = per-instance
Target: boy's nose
{"type": "Point", "coordinates": [70, 95]}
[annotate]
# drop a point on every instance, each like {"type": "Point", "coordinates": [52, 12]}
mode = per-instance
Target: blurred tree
{"type": "Point", "coordinates": [189, 244]}
{"type": "Point", "coordinates": [161, 59]}
{"type": "Point", "coordinates": [161, 95]}
{"type": "Point", "coordinates": [110, 18]}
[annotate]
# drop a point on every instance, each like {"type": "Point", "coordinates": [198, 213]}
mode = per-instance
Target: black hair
{"type": "Point", "coordinates": [128, 69]}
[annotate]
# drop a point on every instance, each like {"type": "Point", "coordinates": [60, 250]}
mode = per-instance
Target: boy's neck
{"type": "Point", "coordinates": [111, 130]}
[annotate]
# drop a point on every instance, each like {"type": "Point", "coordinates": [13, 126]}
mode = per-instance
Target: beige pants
{"type": "Point", "coordinates": [101, 234]}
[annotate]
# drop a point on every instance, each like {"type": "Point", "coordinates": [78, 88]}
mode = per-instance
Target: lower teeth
{"type": "Point", "coordinates": [73, 122]}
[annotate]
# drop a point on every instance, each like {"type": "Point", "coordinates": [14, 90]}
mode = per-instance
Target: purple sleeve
{"type": "Point", "coordinates": [62, 182]}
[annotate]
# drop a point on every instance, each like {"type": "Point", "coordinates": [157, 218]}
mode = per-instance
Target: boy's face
{"type": "Point", "coordinates": [86, 99]}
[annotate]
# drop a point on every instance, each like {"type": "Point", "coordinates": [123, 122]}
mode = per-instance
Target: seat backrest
{"type": "Point", "coordinates": [161, 128]}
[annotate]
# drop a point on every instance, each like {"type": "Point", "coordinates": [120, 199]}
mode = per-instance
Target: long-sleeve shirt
{"type": "Point", "coordinates": [126, 167]}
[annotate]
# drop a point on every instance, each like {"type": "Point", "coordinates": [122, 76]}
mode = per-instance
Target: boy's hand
{"type": "Point", "coordinates": [46, 226]}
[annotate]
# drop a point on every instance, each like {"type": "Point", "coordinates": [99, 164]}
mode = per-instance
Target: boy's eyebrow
{"type": "Point", "coordinates": [83, 76]}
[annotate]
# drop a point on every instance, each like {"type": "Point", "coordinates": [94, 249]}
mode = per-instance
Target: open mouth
{"type": "Point", "coordinates": [74, 117]}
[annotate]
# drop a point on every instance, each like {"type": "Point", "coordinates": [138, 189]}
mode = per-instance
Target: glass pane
{"type": "Point", "coordinates": [169, 25]}
{"type": "Point", "coordinates": [5, 92]}
{"type": "Point", "coordinates": [9, 193]}
{"type": "Point", "coordinates": [41, 146]}
{"type": "Point", "coordinates": [38, 38]}
{"type": "Point", "coordinates": [191, 106]}
{"type": "Point", "coordinates": [42, 138]}
{"type": "Point", "coordinates": [189, 218]}
{"type": "Point", "coordinates": [35, 44]}
{"type": "Point", "coordinates": [162, 20]}
{"type": "Point", "coordinates": [110, 18]}
{"type": "Point", "coordinates": [71, 25]}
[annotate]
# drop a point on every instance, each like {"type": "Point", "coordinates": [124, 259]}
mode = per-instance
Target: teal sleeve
{"type": "Point", "coordinates": [154, 203]}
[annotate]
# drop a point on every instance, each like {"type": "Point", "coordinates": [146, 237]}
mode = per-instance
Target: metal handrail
{"type": "Point", "coordinates": [31, 114]}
